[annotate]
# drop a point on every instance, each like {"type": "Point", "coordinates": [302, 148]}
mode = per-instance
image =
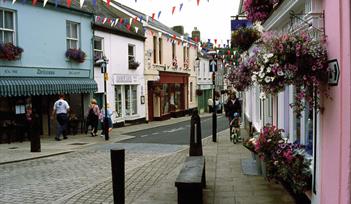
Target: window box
{"type": "Point", "coordinates": [133, 64]}
{"type": "Point", "coordinates": [10, 52]}
{"type": "Point", "coordinates": [75, 55]}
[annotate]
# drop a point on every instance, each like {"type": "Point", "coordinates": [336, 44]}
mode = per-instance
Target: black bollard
{"type": "Point", "coordinates": [117, 164]}
{"type": "Point", "coordinates": [195, 135]}
{"type": "Point", "coordinates": [34, 133]}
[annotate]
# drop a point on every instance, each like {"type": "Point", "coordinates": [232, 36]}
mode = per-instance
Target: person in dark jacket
{"type": "Point", "coordinates": [233, 106]}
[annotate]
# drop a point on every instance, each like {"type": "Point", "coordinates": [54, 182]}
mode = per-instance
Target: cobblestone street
{"type": "Point", "coordinates": [84, 176]}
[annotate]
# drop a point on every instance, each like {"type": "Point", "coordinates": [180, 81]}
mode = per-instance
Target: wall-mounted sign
{"type": "Point", "coordinates": [213, 65]}
{"type": "Point", "coordinates": [334, 73]}
{"type": "Point", "coordinates": [43, 72]}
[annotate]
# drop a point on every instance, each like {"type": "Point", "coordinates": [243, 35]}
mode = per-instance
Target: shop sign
{"type": "Point", "coordinates": [43, 72]}
{"type": "Point", "coordinates": [125, 79]}
{"type": "Point", "coordinates": [334, 73]}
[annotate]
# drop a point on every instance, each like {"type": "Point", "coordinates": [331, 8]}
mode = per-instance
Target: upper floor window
{"type": "Point", "coordinates": [72, 35]}
{"type": "Point", "coordinates": [131, 52]}
{"type": "Point", "coordinates": [7, 26]}
{"type": "Point", "coordinates": [98, 48]}
{"type": "Point", "coordinates": [173, 50]}
{"type": "Point", "coordinates": [155, 49]}
{"type": "Point", "coordinates": [184, 54]}
{"type": "Point", "coordinates": [160, 50]}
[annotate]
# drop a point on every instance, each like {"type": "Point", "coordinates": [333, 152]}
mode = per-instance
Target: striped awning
{"type": "Point", "coordinates": [45, 86]}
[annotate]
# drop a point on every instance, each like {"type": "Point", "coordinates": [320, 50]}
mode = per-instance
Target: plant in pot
{"type": "Point", "coordinates": [243, 38]}
{"type": "Point", "coordinates": [75, 55]}
{"type": "Point", "coordinates": [259, 10]}
{"type": "Point", "coordinates": [10, 52]}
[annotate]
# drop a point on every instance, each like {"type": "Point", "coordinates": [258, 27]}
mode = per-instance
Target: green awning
{"type": "Point", "coordinates": [45, 86]}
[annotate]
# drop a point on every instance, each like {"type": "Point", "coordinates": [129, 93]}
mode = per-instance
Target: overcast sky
{"type": "Point", "coordinates": [211, 17]}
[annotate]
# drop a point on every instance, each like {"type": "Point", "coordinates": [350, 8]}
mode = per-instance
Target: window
{"type": "Point", "coordinates": [131, 52]}
{"type": "Point", "coordinates": [160, 50]}
{"type": "Point", "coordinates": [7, 26]}
{"type": "Point", "coordinates": [155, 50]}
{"type": "Point", "coordinates": [131, 99]}
{"type": "Point", "coordinates": [98, 48]}
{"type": "Point", "coordinates": [72, 35]}
{"type": "Point", "coordinates": [191, 91]}
{"type": "Point", "coordinates": [173, 50]}
{"type": "Point", "coordinates": [308, 6]}
{"type": "Point", "coordinates": [184, 54]}
{"type": "Point", "coordinates": [118, 100]}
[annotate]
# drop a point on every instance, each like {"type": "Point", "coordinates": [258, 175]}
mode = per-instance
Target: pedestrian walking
{"type": "Point", "coordinates": [93, 117]}
{"type": "Point", "coordinates": [233, 107]}
{"type": "Point", "coordinates": [210, 104]}
{"type": "Point", "coordinates": [61, 109]}
{"type": "Point", "coordinates": [109, 119]}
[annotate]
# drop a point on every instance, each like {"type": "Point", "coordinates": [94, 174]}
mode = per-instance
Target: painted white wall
{"type": "Point", "coordinates": [116, 50]}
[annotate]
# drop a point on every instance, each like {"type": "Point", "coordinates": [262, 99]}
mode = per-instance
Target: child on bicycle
{"type": "Point", "coordinates": [235, 126]}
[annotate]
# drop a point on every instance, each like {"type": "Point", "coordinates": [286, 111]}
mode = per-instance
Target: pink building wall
{"type": "Point", "coordinates": [335, 156]}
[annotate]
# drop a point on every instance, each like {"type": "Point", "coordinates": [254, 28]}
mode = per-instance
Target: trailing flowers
{"type": "Point", "coordinates": [10, 52]}
{"type": "Point", "coordinates": [76, 55]}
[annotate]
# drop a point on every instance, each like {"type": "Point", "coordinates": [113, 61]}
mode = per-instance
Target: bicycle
{"type": "Point", "coordinates": [234, 135]}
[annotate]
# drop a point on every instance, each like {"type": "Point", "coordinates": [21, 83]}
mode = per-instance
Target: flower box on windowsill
{"type": "Point", "coordinates": [133, 64]}
{"type": "Point", "coordinates": [75, 55]}
{"type": "Point", "coordinates": [10, 52]}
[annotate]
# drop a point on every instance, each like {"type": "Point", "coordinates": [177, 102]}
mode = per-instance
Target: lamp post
{"type": "Point", "coordinates": [103, 64]}
{"type": "Point", "coordinates": [213, 68]}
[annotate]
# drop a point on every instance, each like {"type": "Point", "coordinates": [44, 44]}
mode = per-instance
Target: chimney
{"type": "Point", "coordinates": [179, 29]}
{"type": "Point", "coordinates": [196, 33]}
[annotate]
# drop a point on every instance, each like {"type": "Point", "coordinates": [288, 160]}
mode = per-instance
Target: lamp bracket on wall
{"type": "Point", "coordinates": [321, 15]}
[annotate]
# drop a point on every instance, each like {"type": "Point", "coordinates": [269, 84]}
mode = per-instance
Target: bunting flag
{"type": "Point", "coordinates": [136, 29]}
{"type": "Point", "coordinates": [174, 37]}
{"type": "Point", "coordinates": [94, 3]}
{"type": "Point", "coordinates": [215, 41]}
{"type": "Point", "coordinates": [141, 18]}
{"type": "Point", "coordinates": [14, 1]}
{"type": "Point", "coordinates": [135, 19]}
{"type": "Point", "coordinates": [108, 3]}
{"type": "Point", "coordinates": [153, 17]}
{"type": "Point", "coordinates": [180, 7]}
{"type": "Point", "coordinates": [104, 20]}
{"type": "Point", "coordinates": [128, 27]}
{"type": "Point", "coordinates": [81, 2]}
{"type": "Point", "coordinates": [158, 16]}
{"type": "Point", "coordinates": [130, 21]}
{"type": "Point", "coordinates": [34, 2]}
{"type": "Point", "coordinates": [159, 34]}
{"type": "Point", "coordinates": [173, 9]}
{"type": "Point", "coordinates": [198, 2]}
{"type": "Point", "coordinates": [97, 18]}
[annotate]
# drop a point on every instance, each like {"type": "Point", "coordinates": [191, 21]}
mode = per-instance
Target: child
{"type": "Point", "coordinates": [235, 125]}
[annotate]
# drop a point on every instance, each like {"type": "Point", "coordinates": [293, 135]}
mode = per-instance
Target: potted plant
{"type": "Point", "coordinates": [241, 76]}
{"type": "Point", "coordinates": [10, 52]}
{"type": "Point", "coordinates": [132, 64]}
{"type": "Point", "coordinates": [75, 55]}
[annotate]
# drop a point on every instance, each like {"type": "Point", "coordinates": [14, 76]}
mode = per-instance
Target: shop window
{"type": "Point", "coordinates": [155, 49]}
{"type": "Point", "coordinates": [72, 35]}
{"type": "Point", "coordinates": [177, 98]}
{"type": "Point", "coordinates": [7, 26]}
{"type": "Point", "coordinates": [165, 99]}
{"type": "Point", "coordinates": [160, 50]}
{"type": "Point", "coordinates": [118, 100]}
{"type": "Point", "coordinates": [98, 48]}
{"type": "Point", "coordinates": [131, 104]}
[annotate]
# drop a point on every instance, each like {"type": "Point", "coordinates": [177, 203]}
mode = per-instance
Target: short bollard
{"type": "Point", "coordinates": [117, 164]}
{"type": "Point", "coordinates": [195, 135]}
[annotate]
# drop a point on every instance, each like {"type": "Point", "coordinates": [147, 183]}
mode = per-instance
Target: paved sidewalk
{"type": "Point", "coordinates": [225, 181]}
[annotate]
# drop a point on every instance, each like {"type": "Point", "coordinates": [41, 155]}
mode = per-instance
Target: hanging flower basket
{"type": "Point", "coordinates": [259, 10]}
{"type": "Point", "coordinates": [10, 52]}
{"type": "Point", "coordinates": [199, 92]}
{"type": "Point", "coordinates": [295, 59]}
{"type": "Point", "coordinates": [243, 38]}
{"type": "Point", "coordinates": [241, 76]}
{"type": "Point", "coordinates": [75, 55]}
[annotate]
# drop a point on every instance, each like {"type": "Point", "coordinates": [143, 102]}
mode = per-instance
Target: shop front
{"type": "Point", "coordinates": [16, 94]}
{"type": "Point", "coordinates": [168, 96]}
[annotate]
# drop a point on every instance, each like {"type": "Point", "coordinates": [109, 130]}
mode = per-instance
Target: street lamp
{"type": "Point", "coordinates": [103, 64]}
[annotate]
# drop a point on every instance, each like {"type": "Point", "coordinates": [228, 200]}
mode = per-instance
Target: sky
{"type": "Point", "coordinates": [211, 17]}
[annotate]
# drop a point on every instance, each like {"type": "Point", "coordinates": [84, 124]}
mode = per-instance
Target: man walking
{"type": "Point", "coordinates": [61, 109]}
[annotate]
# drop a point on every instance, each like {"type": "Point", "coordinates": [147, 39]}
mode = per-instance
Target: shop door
{"type": "Point", "coordinates": [150, 97]}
